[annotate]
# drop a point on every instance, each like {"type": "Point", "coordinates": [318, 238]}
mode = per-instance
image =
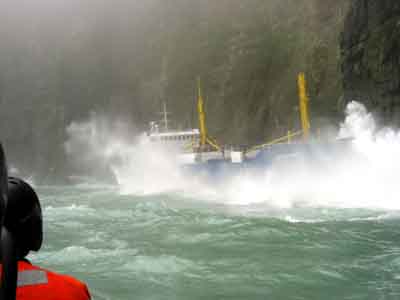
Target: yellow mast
{"type": "Point", "coordinates": [202, 116]}
{"type": "Point", "coordinates": [305, 120]}
{"type": "Point", "coordinates": [304, 117]}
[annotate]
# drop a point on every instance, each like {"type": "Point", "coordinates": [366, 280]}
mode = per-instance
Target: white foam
{"type": "Point", "coordinates": [138, 166]}
{"type": "Point", "coordinates": [365, 177]}
{"type": "Point", "coordinates": [77, 254]}
{"type": "Point", "coordinates": [163, 264]}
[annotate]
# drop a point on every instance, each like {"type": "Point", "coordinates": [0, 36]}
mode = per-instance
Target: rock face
{"type": "Point", "coordinates": [370, 47]}
{"type": "Point", "coordinates": [124, 59]}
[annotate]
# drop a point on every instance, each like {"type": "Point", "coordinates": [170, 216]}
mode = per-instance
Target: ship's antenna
{"type": "Point", "coordinates": [165, 113]}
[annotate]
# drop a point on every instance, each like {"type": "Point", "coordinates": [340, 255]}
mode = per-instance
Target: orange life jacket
{"type": "Point", "coordinates": [35, 283]}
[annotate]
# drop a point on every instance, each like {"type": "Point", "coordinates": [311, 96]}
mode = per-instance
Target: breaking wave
{"type": "Point", "coordinates": [365, 176]}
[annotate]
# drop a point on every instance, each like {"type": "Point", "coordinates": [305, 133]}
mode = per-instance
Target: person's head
{"type": "Point", "coordinates": [3, 184]}
{"type": "Point", "coordinates": [24, 216]}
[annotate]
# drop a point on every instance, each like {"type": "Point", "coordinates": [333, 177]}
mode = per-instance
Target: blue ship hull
{"type": "Point", "coordinates": [217, 170]}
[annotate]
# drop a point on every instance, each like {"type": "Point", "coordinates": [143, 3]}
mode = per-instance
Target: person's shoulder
{"type": "Point", "coordinates": [67, 279]}
{"type": "Point", "coordinates": [67, 284]}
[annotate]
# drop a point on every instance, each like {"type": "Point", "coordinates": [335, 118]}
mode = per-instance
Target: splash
{"type": "Point", "coordinates": [138, 167]}
{"type": "Point", "coordinates": [362, 176]}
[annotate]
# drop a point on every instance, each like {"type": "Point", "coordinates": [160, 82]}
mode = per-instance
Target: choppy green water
{"type": "Point", "coordinates": [169, 247]}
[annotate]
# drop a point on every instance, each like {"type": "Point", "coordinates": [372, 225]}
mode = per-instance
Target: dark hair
{"type": "Point", "coordinates": [24, 216]}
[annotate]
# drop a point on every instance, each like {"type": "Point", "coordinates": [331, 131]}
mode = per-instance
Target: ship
{"type": "Point", "coordinates": [201, 155]}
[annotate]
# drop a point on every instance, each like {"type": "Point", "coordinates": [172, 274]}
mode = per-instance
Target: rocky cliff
{"type": "Point", "coordinates": [371, 57]}
{"type": "Point", "coordinates": [60, 63]}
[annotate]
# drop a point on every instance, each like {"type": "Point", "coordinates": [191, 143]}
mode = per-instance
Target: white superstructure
{"type": "Point", "coordinates": [185, 139]}
{"type": "Point", "coordinates": [181, 140]}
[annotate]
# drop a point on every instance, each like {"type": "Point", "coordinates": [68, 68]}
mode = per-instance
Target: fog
{"type": "Point", "coordinates": [60, 61]}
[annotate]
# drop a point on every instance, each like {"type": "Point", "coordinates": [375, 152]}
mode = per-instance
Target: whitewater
{"type": "Point", "coordinates": [297, 232]}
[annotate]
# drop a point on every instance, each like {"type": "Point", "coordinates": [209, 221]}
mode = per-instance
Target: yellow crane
{"type": "Point", "coordinates": [304, 119]}
{"type": "Point", "coordinates": [304, 115]}
{"type": "Point", "coordinates": [202, 116]}
{"type": "Point", "coordinates": [204, 137]}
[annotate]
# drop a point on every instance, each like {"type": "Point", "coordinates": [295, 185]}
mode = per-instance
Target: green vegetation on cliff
{"type": "Point", "coordinates": [370, 57]}
{"type": "Point", "coordinates": [59, 62]}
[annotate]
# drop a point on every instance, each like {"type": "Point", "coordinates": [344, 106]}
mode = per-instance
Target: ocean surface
{"type": "Point", "coordinates": [176, 246]}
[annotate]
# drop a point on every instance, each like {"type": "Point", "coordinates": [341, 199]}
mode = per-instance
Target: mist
{"type": "Point", "coordinates": [60, 61]}
{"type": "Point", "coordinates": [81, 81]}
{"type": "Point", "coordinates": [361, 175]}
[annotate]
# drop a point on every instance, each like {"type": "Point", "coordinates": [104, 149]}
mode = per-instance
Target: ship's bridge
{"type": "Point", "coordinates": [175, 136]}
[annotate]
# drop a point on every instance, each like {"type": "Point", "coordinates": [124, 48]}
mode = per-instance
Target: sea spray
{"type": "Point", "coordinates": [364, 175]}
{"type": "Point", "coordinates": [136, 164]}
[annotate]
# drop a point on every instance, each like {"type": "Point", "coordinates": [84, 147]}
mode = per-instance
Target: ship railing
{"type": "Point", "coordinates": [287, 138]}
